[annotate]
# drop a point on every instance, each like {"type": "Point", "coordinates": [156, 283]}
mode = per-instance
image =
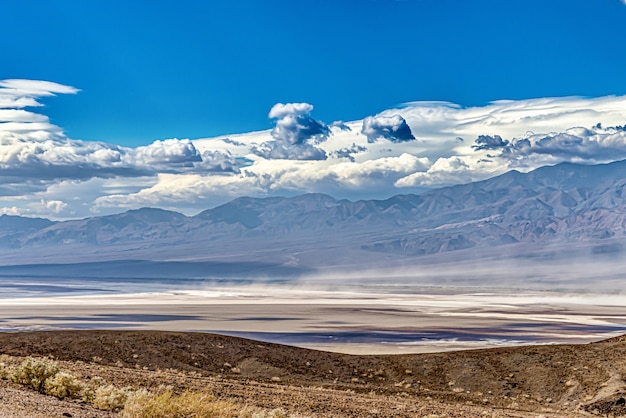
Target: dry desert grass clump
{"type": "Point", "coordinates": [45, 376]}
{"type": "Point", "coordinates": [63, 385]}
{"type": "Point", "coordinates": [42, 375]}
{"type": "Point", "coordinates": [187, 404]}
{"type": "Point", "coordinates": [111, 398]}
{"type": "Point", "coordinates": [34, 373]}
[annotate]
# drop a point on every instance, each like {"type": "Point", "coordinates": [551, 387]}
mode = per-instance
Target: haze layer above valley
{"type": "Point", "coordinates": [569, 209]}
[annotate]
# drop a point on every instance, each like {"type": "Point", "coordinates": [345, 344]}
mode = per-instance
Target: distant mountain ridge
{"type": "Point", "coordinates": [562, 203]}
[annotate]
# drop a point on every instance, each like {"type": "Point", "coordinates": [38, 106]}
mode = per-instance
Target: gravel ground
{"type": "Point", "coordinates": [548, 381]}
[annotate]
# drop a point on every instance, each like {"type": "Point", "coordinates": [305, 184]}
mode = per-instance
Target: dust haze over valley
{"type": "Point", "coordinates": [516, 259]}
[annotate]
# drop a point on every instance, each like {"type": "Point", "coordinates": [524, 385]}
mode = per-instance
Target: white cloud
{"type": "Point", "coordinates": [195, 190]}
{"type": "Point", "coordinates": [54, 206]}
{"type": "Point", "coordinates": [170, 151]}
{"type": "Point", "coordinates": [269, 177]}
{"type": "Point", "coordinates": [368, 176]}
{"type": "Point", "coordinates": [349, 152]}
{"type": "Point", "coordinates": [295, 126]}
{"type": "Point", "coordinates": [576, 145]}
{"type": "Point", "coordinates": [281, 110]}
{"type": "Point", "coordinates": [340, 125]}
{"type": "Point", "coordinates": [16, 121]}
{"type": "Point", "coordinates": [452, 170]}
{"type": "Point", "coordinates": [392, 128]}
{"type": "Point", "coordinates": [277, 150]}
{"type": "Point", "coordinates": [44, 173]}
{"type": "Point", "coordinates": [13, 210]}
{"type": "Point", "coordinates": [34, 88]}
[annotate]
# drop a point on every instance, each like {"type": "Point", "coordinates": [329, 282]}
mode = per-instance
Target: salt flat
{"type": "Point", "coordinates": [420, 320]}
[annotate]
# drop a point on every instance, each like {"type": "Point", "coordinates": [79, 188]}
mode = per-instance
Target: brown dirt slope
{"type": "Point", "coordinates": [548, 380]}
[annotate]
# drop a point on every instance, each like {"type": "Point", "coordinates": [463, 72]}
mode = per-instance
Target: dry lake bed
{"type": "Point", "coordinates": [403, 320]}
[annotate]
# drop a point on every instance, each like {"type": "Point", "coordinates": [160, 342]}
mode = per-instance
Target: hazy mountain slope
{"type": "Point", "coordinates": [562, 203]}
{"type": "Point", "coordinates": [12, 228]}
{"type": "Point", "coordinates": [136, 225]}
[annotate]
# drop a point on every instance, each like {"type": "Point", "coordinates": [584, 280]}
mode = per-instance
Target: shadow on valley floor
{"type": "Point", "coordinates": [506, 334]}
{"type": "Point", "coordinates": [163, 270]}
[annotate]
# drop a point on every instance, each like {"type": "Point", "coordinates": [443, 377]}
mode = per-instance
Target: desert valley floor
{"type": "Point", "coordinates": [342, 321]}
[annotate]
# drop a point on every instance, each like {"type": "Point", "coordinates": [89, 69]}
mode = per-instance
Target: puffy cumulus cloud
{"type": "Point", "coordinates": [54, 206]}
{"type": "Point", "coordinates": [282, 110]}
{"type": "Point", "coordinates": [393, 128]}
{"type": "Point", "coordinates": [65, 158]}
{"type": "Point", "coordinates": [276, 150]}
{"type": "Point", "coordinates": [373, 175]}
{"type": "Point", "coordinates": [186, 191]}
{"type": "Point", "coordinates": [294, 134]}
{"type": "Point", "coordinates": [295, 126]}
{"type": "Point", "coordinates": [349, 152]}
{"type": "Point", "coordinates": [24, 159]}
{"type": "Point", "coordinates": [13, 211]}
{"type": "Point", "coordinates": [340, 125]}
{"type": "Point", "coordinates": [486, 142]}
{"type": "Point", "coordinates": [216, 161]}
{"type": "Point", "coordinates": [594, 145]}
{"type": "Point", "coordinates": [452, 170]}
{"type": "Point", "coordinates": [181, 156]}
{"type": "Point", "coordinates": [380, 172]}
{"type": "Point", "coordinates": [169, 151]}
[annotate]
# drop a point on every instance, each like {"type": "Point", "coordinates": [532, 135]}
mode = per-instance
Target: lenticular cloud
{"type": "Point", "coordinates": [18, 123]}
{"type": "Point", "coordinates": [35, 151]}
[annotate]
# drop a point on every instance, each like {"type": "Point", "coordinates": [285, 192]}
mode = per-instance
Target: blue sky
{"type": "Point", "coordinates": [152, 70]}
{"type": "Point", "coordinates": [113, 105]}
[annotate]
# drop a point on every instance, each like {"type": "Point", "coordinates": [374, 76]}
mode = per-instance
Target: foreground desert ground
{"type": "Point", "coordinates": [530, 381]}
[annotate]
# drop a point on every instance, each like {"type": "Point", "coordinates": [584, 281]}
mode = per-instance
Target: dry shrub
{"type": "Point", "coordinates": [64, 385]}
{"type": "Point", "coordinates": [187, 404]}
{"type": "Point", "coordinates": [89, 391]}
{"type": "Point", "coordinates": [33, 373]}
{"type": "Point", "coordinates": [110, 398]}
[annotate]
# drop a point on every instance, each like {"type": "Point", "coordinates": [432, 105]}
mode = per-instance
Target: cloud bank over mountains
{"type": "Point", "coordinates": [417, 146]}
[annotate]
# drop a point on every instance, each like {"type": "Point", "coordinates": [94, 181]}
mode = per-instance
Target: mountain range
{"type": "Point", "coordinates": [566, 203]}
